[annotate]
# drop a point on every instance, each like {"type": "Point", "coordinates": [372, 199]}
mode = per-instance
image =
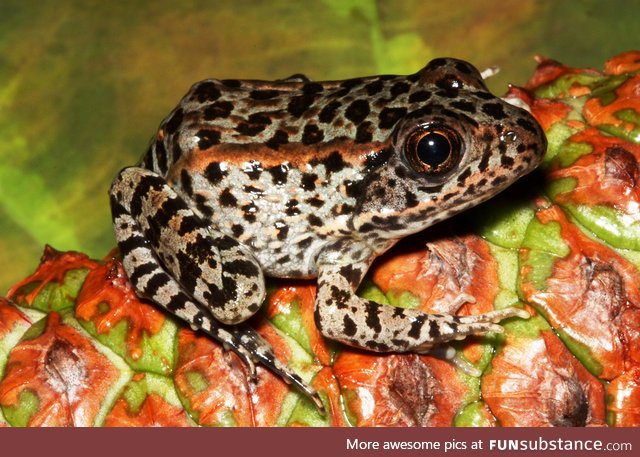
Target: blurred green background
{"type": "Point", "coordinates": [84, 84]}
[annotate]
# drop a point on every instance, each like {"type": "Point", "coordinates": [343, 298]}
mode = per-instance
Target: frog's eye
{"type": "Point", "coordinates": [433, 150]}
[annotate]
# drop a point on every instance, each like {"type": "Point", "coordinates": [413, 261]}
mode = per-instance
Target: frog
{"type": "Point", "coordinates": [295, 178]}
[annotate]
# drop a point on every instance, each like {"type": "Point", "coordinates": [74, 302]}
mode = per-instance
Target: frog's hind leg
{"type": "Point", "coordinates": [157, 229]}
{"type": "Point", "coordinates": [175, 259]}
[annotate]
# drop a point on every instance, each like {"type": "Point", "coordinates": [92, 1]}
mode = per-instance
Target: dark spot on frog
{"type": "Point", "coordinates": [279, 174]}
{"type": "Point", "coordinates": [412, 200]}
{"type": "Point", "coordinates": [284, 258]}
{"type": "Point", "coordinates": [166, 211]}
{"type": "Point", "coordinates": [346, 86]}
{"type": "Point", "coordinates": [189, 224]}
{"type": "Point", "coordinates": [484, 162]}
{"type": "Point", "coordinates": [333, 163]}
{"type": "Point", "coordinates": [280, 137]}
{"type": "Point", "coordinates": [206, 91]}
{"type": "Point", "coordinates": [314, 220]}
{"type": "Point", "coordinates": [312, 88]}
{"type": "Point", "coordinates": [174, 121]}
{"type": "Point", "coordinates": [263, 94]}
{"type": "Point", "coordinates": [351, 274]}
{"type": "Point", "coordinates": [527, 125]}
{"type": "Point", "coordinates": [378, 158]}
{"type": "Point", "coordinates": [352, 189]}
{"type": "Point", "coordinates": [308, 181]}
{"type": "Point", "coordinates": [372, 319]}
{"type": "Point", "coordinates": [221, 109]}
{"type": "Point", "coordinates": [328, 112]}
{"type": "Point", "coordinates": [292, 207]}
{"type": "Point", "coordinates": [300, 104]}
{"type": "Point", "coordinates": [249, 211]}
{"type": "Point", "coordinates": [420, 96]}
{"type": "Point", "coordinates": [283, 231]}
{"type": "Point", "coordinates": [357, 111]}
{"type": "Point", "coordinates": [226, 243]}
{"type": "Point", "coordinates": [227, 199]}
{"type": "Point", "coordinates": [462, 67]}
{"type": "Point", "coordinates": [416, 326]}
{"type": "Point", "coordinates": [255, 124]}
{"type": "Point", "coordinates": [485, 95]}
{"type": "Point", "coordinates": [237, 230]}
{"type": "Point", "coordinates": [155, 282]}
{"type": "Point", "coordinates": [470, 190]}
{"type": "Point", "coordinates": [499, 180]}
{"type": "Point", "coordinates": [161, 156]}
{"type": "Point", "coordinates": [305, 243]}
{"type": "Point", "coordinates": [388, 117]}
{"type": "Point", "coordinates": [253, 190]}
{"type": "Point", "coordinates": [495, 110]}
{"type": "Point", "coordinates": [487, 136]}
{"type": "Point", "coordinates": [448, 93]}
{"type": "Point", "coordinates": [312, 134]}
{"type": "Point", "coordinates": [214, 173]}
{"type": "Point", "coordinates": [141, 271]}
{"type": "Point", "coordinates": [232, 83]}
{"type": "Point", "coordinates": [342, 209]}
{"type": "Point", "coordinates": [177, 302]}
{"type": "Point", "coordinates": [462, 177]}
{"type": "Point", "coordinates": [254, 170]}
{"type": "Point", "coordinates": [463, 105]}
{"type": "Point", "coordinates": [315, 201]}
{"type": "Point", "coordinates": [207, 138]}
{"type": "Point", "coordinates": [506, 161]}
{"type": "Point", "coordinates": [375, 346]}
{"type": "Point", "coordinates": [434, 329]}
{"type": "Point", "coordinates": [186, 182]}
{"type": "Point", "coordinates": [202, 203]}
{"type": "Point", "coordinates": [363, 133]}
{"type": "Point", "coordinates": [348, 326]}
{"type": "Point", "coordinates": [434, 64]}
{"type": "Point", "coordinates": [374, 87]}
{"type": "Point", "coordinates": [241, 267]}
{"type": "Point", "coordinates": [398, 88]}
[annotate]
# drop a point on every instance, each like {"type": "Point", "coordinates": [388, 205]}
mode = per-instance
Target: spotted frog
{"type": "Point", "coordinates": [298, 179]}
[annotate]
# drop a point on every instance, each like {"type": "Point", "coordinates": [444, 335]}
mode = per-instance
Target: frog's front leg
{"type": "Point", "coordinates": [343, 316]}
{"type": "Point", "coordinates": [174, 258]}
{"type": "Point", "coordinates": [158, 230]}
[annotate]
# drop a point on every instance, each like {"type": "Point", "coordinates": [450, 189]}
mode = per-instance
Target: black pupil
{"type": "Point", "coordinates": [433, 149]}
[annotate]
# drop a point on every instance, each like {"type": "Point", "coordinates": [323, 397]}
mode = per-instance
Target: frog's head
{"type": "Point", "coordinates": [456, 148]}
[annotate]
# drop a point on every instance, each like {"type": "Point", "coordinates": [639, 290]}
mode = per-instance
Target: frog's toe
{"type": "Point", "coordinates": [495, 316]}
{"type": "Point", "coordinates": [246, 341]}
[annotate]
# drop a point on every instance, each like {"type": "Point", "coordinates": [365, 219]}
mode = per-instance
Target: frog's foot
{"type": "Point", "coordinates": [446, 328]}
{"type": "Point", "coordinates": [261, 351]}
{"type": "Point", "coordinates": [343, 316]}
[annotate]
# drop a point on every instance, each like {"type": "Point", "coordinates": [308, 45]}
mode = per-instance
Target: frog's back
{"type": "Point", "coordinates": [283, 119]}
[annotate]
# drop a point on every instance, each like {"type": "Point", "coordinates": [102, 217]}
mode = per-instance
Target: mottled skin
{"type": "Point", "coordinates": [302, 179]}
